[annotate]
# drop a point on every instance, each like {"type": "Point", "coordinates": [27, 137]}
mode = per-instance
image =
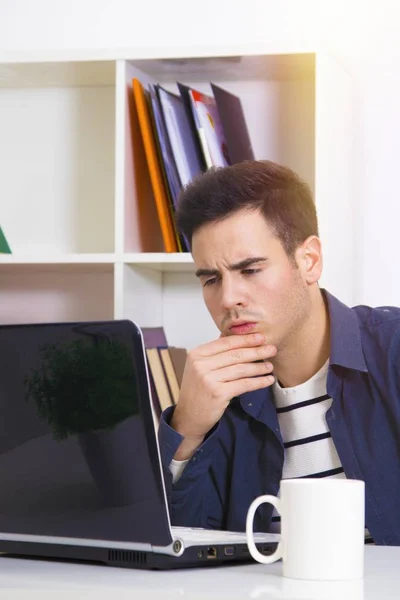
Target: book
{"type": "Point", "coordinates": [4, 247]}
{"type": "Point", "coordinates": [234, 125]}
{"type": "Point", "coordinates": [155, 170]}
{"type": "Point", "coordinates": [178, 359]}
{"type": "Point", "coordinates": [170, 373]}
{"type": "Point", "coordinates": [160, 382]}
{"type": "Point", "coordinates": [154, 336]}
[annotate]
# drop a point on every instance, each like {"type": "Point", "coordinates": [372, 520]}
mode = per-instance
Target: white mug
{"type": "Point", "coordinates": [322, 529]}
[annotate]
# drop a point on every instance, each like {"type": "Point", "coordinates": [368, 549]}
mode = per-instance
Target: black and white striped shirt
{"type": "Point", "coordinates": [309, 448]}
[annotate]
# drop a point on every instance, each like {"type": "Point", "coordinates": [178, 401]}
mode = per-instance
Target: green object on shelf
{"type": "Point", "coordinates": [4, 247]}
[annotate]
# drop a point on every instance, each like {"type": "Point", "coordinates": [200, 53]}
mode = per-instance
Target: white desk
{"type": "Point", "coordinates": [22, 579]}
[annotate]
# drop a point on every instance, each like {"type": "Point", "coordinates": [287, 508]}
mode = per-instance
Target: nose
{"type": "Point", "coordinates": [232, 294]}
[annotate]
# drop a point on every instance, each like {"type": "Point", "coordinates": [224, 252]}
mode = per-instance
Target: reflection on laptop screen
{"type": "Point", "coordinates": [78, 453]}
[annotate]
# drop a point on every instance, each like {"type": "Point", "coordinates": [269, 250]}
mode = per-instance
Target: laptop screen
{"type": "Point", "coordinates": [78, 450]}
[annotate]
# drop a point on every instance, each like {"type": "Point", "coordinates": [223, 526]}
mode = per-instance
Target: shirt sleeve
{"type": "Point", "coordinates": [186, 497]}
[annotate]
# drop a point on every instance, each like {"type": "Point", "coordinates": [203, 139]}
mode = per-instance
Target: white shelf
{"type": "Point", "coordinates": [160, 261]}
{"type": "Point", "coordinates": [237, 67]}
{"type": "Point", "coordinates": [57, 259]}
{"type": "Point", "coordinates": [77, 207]}
{"type": "Point", "coordinates": [155, 52]}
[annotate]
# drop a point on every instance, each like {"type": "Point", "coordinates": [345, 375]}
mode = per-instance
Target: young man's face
{"type": "Point", "coordinates": [270, 295]}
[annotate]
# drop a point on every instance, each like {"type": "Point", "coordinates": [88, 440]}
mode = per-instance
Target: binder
{"type": "Point", "coordinates": [180, 135]}
{"type": "Point", "coordinates": [209, 129]}
{"type": "Point", "coordinates": [166, 156]}
{"type": "Point", "coordinates": [233, 122]}
{"type": "Point", "coordinates": [184, 91]}
{"type": "Point", "coordinates": [153, 162]}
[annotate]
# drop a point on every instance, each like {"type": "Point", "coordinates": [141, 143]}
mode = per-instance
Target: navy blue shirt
{"type": "Point", "coordinates": [242, 456]}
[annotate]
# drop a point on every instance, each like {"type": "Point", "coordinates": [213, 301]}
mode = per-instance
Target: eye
{"type": "Point", "coordinates": [210, 281]}
{"type": "Point", "coordinates": [250, 271]}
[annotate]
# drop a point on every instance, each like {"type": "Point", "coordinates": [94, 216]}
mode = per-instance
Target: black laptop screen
{"type": "Point", "coordinates": [78, 455]}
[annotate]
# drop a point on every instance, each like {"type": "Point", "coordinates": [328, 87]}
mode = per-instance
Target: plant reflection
{"type": "Point", "coordinates": [83, 386]}
{"type": "Point", "coordinates": [87, 388]}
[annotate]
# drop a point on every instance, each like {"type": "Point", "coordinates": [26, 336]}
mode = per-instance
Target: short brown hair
{"type": "Point", "coordinates": [279, 193]}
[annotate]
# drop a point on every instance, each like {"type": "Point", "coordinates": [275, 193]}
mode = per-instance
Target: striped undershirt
{"type": "Point", "coordinates": [309, 448]}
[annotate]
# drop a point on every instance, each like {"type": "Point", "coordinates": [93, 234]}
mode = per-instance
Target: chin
{"type": "Point", "coordinates": [270, 339]}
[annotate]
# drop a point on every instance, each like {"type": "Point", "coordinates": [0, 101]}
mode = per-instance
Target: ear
{"type": "Point", "coordinates": [309, 258]}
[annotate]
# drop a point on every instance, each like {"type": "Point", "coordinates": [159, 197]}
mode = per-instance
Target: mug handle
{"type": "Point", "coordinates": [265, 560]}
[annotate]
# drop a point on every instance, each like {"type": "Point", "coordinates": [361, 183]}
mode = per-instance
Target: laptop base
{"type": "Point", "coordinates": [194, 556]}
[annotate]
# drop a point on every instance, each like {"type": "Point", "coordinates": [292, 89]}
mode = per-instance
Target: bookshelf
{"type": "Point", "coordinates": [75, 196]}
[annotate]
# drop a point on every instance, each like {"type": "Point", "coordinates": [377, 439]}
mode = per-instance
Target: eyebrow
{"type": "Point", "coordinates": [239, 266]}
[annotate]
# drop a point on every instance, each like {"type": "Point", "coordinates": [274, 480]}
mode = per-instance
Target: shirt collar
{"type": "Point", "coordinates": [346, 348]}
{"type": "Point", "coordinates": [260, 405]}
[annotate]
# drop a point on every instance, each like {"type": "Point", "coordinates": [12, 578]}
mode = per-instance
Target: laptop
{"type": "Point", "coordinates": [80, 469]}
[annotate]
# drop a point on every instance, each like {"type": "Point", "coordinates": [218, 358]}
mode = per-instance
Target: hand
{"type": "Point", "coordinates": [215, 373]}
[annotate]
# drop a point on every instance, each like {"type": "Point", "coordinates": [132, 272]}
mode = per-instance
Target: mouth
{"type": "Point", "coordinates": [242, 326]}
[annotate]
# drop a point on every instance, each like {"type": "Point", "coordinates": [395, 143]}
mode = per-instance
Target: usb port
{"type": "Point", "coordinates": [229, 550]}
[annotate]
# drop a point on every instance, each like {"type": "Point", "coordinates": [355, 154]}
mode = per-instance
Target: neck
{"type": "Point", "coordinates": [304, 355]}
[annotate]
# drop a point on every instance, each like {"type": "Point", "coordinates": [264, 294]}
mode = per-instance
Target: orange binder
{"type": "Point", "coordinates": [156, 176]}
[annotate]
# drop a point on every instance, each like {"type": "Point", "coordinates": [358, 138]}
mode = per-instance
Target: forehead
{"type": "Point", "coordinates": [239, 236]}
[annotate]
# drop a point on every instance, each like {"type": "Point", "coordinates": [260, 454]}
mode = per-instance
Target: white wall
{"type": "Point", "coordinates": [362, 32]}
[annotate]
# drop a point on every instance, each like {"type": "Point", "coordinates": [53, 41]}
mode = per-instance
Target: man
{"type": "Point", "coordinates": [298, 384]}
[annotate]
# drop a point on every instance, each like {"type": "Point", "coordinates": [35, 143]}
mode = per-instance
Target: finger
{"type": "Point", "coordinates": [244, 370]}
{"type": "Point", "coordinates": [231, 342]}
{"type": "Point", "coordinates": [239, 356]}
{"type": "Point", "coordinates": [250, 384]}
